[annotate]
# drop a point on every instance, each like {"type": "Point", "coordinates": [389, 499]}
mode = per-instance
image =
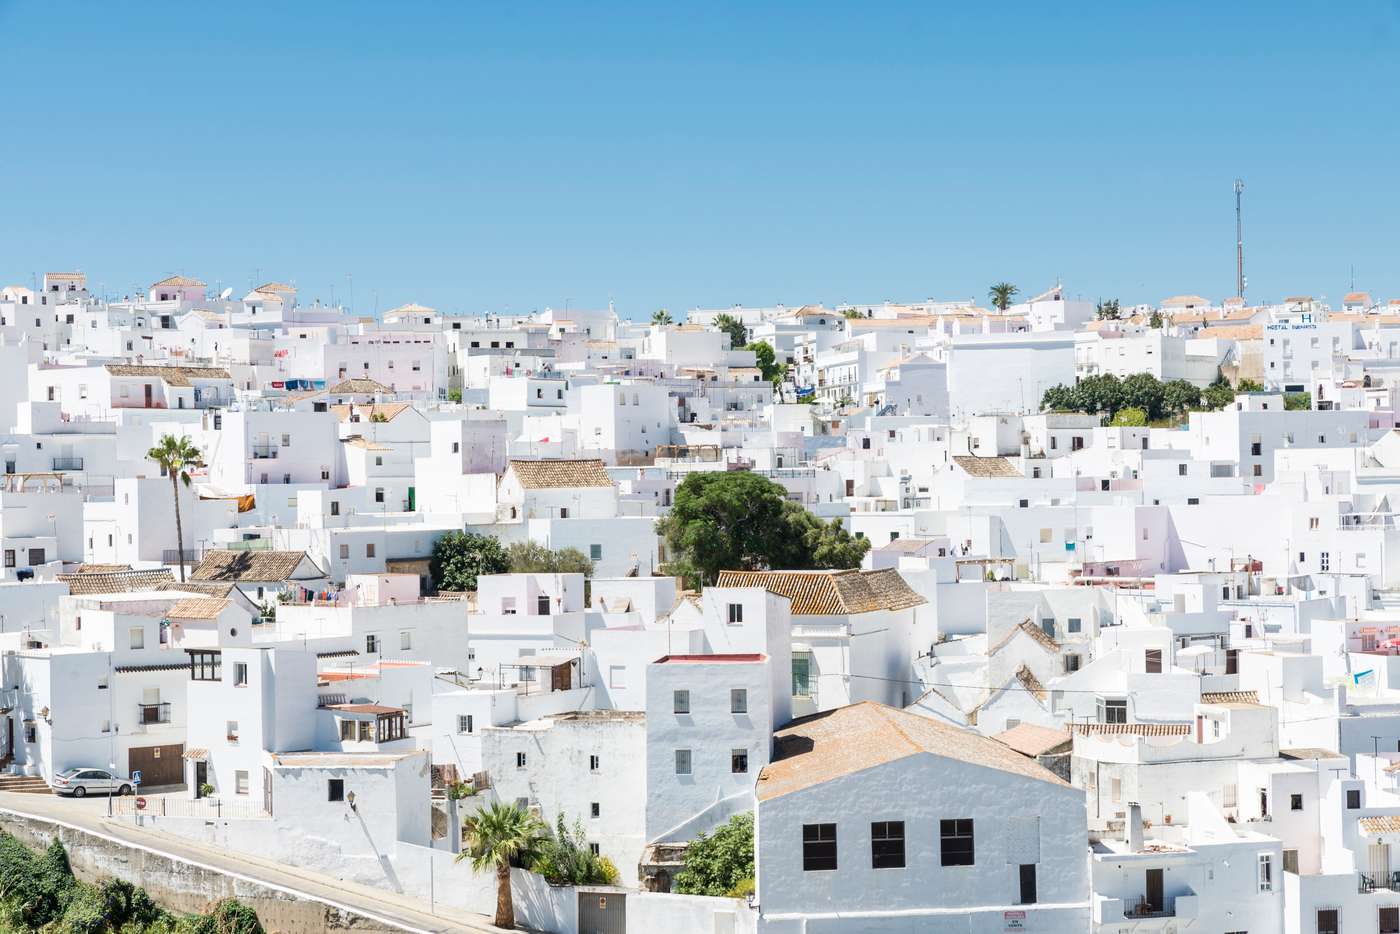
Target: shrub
{"type": "Point", "coordinates": [721, 863]}
{"type": "Point", "coordinates": [565, 858]}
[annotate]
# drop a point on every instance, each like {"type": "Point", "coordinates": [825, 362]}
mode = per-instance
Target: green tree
{"type": "Point", "coordinates": [530, 557]}
{"type": "Point", "coordinates": [661, 317]}
{"type": "Point", "coordinates": [1129, 417]}
{"type": "Point", "coordinates": [1001, 295]}
{"type": "Point", "coordinates": [498, 837]}
{"type": "Point", "coordinates": [736, 520]}
{"type": "Point", "coordinates": [176, 455]}
{"type": "Point", "coordinates": [1060, 398]}
{"type": "Point", "coordinates": [566, 859]}
{"type": "Point", "coordinates": [1218, 394]}
{"type": "Point", "coordinates": [459, 558]}
{"type": "Point", "coordinates": [1297, 401]}
{"type": "Point", "coordinates": [1100, 395]}
{"type": "Point", "coordinates": [1144, 391]}
{"type": "Point", "coordinates": [1179, 395]}
{"type": "Point", "coordinates": [738, 333]}
{"type": "Point", "coordinates": [767, 360]}
{"type": "Point", "coordinates": [719, 863]}
{"type": "Point", "coordinates": [1249, 385]}
{"type": "Point", "coordinates": [1156, 320]}
{"type": "Point", "coordinates": [1107, 310]}
{"type": "Point", "coordinates": [454, 394]}
{"type": "Point", "coordinates": [852, 314]}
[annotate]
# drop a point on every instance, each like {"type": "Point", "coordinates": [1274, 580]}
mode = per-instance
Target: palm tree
{"type": "Point", "coordinates": [175, 456]}
{"type": "Point", "coordinates": [1001, 295]}
{"type": "Point", "coordinates": [662, 317]}
{"type": "Point", "coordinates": [496, 837]}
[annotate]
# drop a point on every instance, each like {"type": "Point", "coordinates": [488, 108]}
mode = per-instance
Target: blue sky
{"type": "Point", "coordinates": [476, 156]}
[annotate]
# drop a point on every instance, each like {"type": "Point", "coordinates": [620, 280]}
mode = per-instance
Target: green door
{"type": "Point", "coordinates": [412, 500]}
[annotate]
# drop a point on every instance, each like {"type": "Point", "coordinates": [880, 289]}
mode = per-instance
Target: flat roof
{"type": "Point", "coordinates": [707, 659]}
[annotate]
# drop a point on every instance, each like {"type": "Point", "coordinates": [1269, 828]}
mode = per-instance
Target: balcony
{"type": "Point", "coordinates": [67, 463]}
{"type": "Point", "coordinates": [264, 451]}
{"type": "Point", "coordinates": [1367, 882]}
{"type": "Point", "coordinates": [153, 713]}
{"type": "Point", "coordinates": [1143, 907]}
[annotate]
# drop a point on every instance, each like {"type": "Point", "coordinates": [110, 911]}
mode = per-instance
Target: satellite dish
{"type": "Point", "coordinates": [225, 294]}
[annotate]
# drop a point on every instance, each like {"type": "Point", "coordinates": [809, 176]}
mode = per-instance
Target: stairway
{"type": "Point", "coordinates": [24, 784]}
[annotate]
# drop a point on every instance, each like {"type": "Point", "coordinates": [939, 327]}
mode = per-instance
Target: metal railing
{"type": "Point", "coordinates": [264, 451]}
{"type": "Point", "coordinates": [154, 713]}
{"type": "Point", "coordinates": [1371, 881]}
{"type": "Point", "coordinates": [176, 806]}
{"type": "Point", "coordinates": [1142, 907]}
{"type": "Point", "coordinates": [67, 463]}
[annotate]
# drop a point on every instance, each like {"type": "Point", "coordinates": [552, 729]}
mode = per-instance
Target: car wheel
{"type": "Point", "coordinates": [124, 790]}
{"type": "Point", "coordinates": [80, 792]}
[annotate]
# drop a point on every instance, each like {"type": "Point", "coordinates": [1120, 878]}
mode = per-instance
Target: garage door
{"type": "Point", "coordinates": [602, 913]}
{"type": "Point", "coordinates": [159, 765]}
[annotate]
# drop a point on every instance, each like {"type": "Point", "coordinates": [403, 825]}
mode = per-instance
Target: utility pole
{"type": "Point", "coordinates": [1239, 237]}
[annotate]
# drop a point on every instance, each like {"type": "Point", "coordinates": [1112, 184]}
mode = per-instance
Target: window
{"type": "Point", "coordinates": [1295, 802]}
{"type": "Point", "coordinates": [9, 557]}
{"type": "Point", "coordinates": [1027, 884]}
{"type": "Point", "coordinates": [335, 789]}
{"type": "Point", "coordinates": [1152, 659]}
{"type": "Point", "coordinates": [1113, 710]}
{"type": "Point", "coordinates": [1290, 862]}
{"type": "Point", "coordinates": [240, 782]}
{"type": "Point", "coordinates": [956, 838]}
{"type": "Point", "coordinates": [206, 666]}
{"type": "Point", "coordinates": [231, 731]}
{"type": "Point", "coordinates": [344, 552]}
{"type": "Point", "coordinates": [369, 550]}
{"type": "Point", "coordinates": [736, 614]}
{"type": "Point", "coordinates": [887, 844]}
{"type": "Point", "coordinates": [1388, 921]}
{"type": "Point", "coordinates": [542, 605]}
{"type": "Point", "coordinates": [594, 762]}
{"type": "Point", "coordinates": [1353, 799]}
{"type": "Point", "coordinates": [1181, 470]}
{"type": "Point", "coordinates": [1266, 872]}
{"type": "Point", "coordinates": [818, 847]}
{"type": "Point", "coordinates": [801, 675]}
{"type": "Point", "coordinates": [30, 735]}
{"type": "Point", "coordinates": [738, 700]}
{"type": "Point", "coordinates": [240, 674]}
{"type": "Point", "coordinates": [137, 636]}
{"type": "Point", "coordinates": [1324, 561]}
{"type": "Point", "coordinates": [405, 641]}
{"type": "Point", "coordinates": [680, 702]}
{"type": "Point", "coordinates": [1074, 624]}
{"type": "Point", "coordinates": [682, 761]}
{"type": "Point", "coordinates": [1327, 921]}
{"type": "Point", "coordinates": [520, 760]}
{"type": "Point", "coordinates": [464, 723]}
{"type": "Point", "coordinates": [595, 809]}
{"type": "Point", "coordinates": [1071, 663]}
{"type": "Point", "coordinates": [379, 494]}
{"type": "Point", "coordinates": [595, 552]}
{"type": "Point", "coordinates": [371, 644]}
{"type": "Point", "coordinates": [738, 761]}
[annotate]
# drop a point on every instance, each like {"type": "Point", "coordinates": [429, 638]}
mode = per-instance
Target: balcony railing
{"type": "Point", "coordinates": [264, 451]}
{"type": "Point", "coordinates": [154, 713]}
{"type": "Point", "coordinates": [1372, 881]}
{"type": "Point", "coordinates": [67, 463]}
{"type": "Point", "coordinates": [1143, 907]}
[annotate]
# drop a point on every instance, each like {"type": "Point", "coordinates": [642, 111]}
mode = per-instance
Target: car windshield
{"type": "Point", "coordinates": [68, 773]}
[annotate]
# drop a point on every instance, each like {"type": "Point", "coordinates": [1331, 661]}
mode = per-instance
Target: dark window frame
{"type": "Point", "coordinates": [957, 842]}
{"type": "Point", "coordinates": [819, 848]}
{"type": "Point", "coordinates": [887, 844]}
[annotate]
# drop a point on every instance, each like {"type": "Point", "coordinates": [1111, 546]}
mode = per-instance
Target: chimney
{"type": "Point", "coordinates": [1132, 827]}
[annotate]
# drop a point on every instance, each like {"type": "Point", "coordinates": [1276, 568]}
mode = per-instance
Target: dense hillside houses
{"type": "Point", "coordinates": [1054, 615]}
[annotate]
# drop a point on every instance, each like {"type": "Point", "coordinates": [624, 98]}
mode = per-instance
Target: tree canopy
{"type": "Point", "coordinates": [736, 520]}
{"type": "Point", "coordinates": [1106, 395]}
{"type": "Point", "coordinates": [1001, 295]}
{"type": "Point", "coordinates": [738, 333]}
{"type": "Point", "coordinates": [533, 558]}
{"type": "Point", "coordinates": [459, 558]}
{"type": "Point", "coordinates": [1107, 310]}
{"type": "Point", "coordinates": [767, 360]}
{"type": "Point", "coordinates": [720, 863]}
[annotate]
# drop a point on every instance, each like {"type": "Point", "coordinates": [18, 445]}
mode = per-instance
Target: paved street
{"type": "Point", "coordinates": [386, 907]}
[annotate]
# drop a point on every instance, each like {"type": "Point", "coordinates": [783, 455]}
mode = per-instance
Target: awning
{"type": "Point", "coordinates": [197, 755]}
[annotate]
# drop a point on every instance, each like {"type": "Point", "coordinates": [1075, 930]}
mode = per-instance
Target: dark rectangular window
{"type": "Point", "coordinates": [335, 789]}
{"type": "Point", "coordinates": [1327, 921]}
{"type": "Point", "coordinates": [1295, 802]}
{"type": "Point", "coordinates": [1353, 798]}
{"type": "Point", "coordinates": [739, 761]}
{"type": "Point", "coordinates": [1389, 921]}
{"type": "Point", "coordinates": [887, 844]}
{"type": "Point", "coordinates": [1027, 884]}
{"type": "Point", "coordinates": [957, 842]}
{"type": "Point", "coordinates": [206, 666]}
{"type": "Point", "coordinates": [818, 847]}
{"type": "Point", "coordinates": [1153, 661]}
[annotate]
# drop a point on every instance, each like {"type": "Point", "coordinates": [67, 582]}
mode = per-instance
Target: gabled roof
{"type": "Point", "coordinates": [221, 565]}
{"type": "Point", "coordinates": [553, 474]}
{"type": "Point", "coordinates": [198, 608]}
{"type": "Point", "coordinates": [1229, 697]}
{"type": "Point", "coordinates": [116, 581]}
{"type": "Point", "coordinates": [388, 410]}
{"type": "Point", "coordinates": [830, 593]}
{"type": "Point", "coordinates": [986, 466]}
{"type": "Point", "coordinates": [837, 743]}
{"type": "Point", "coordinates": [171, 375]}
{"type": "Point", "coordinates": [1031, 740]}
{"type": "Point", "coordinates": [1042, 638]}
{"type": "Point", "coordinates": [179, 282]}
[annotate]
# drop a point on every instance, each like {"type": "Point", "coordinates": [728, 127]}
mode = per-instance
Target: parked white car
{"type": "Point", "coordinates": [81, 782]}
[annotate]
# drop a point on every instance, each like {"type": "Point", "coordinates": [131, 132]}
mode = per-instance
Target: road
{"type": "Point", "coordinates": [387, 908]}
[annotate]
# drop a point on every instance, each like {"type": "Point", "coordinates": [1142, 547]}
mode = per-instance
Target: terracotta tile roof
{"type": "Point", "coordinates": [360, 442]}
{"type": "Point", "coordinates": [1044, 639]}
{"type": "Point", "coordinates": [1229, 697]}
{"type": "Point", "coordinates": [368, 413]}
{"type": "Point", "coordinates": [1031, 740]}
{"type": "Point", "coordinates": [1183, 301]}
{"type": "Point", "coordinates": [830, 593]}
{"type": "Point", "coordinates": [1308, 752]}
{"type": "Point", "coordinates": [1385, 823]}
{"type": "Point", "coordinates": [171, 375]}
{"type": "Point", "coordinates": [358, 386]}
{"type": "Point", "coordinates": [116, 582]}
{"type": "Point", "coordinates": [207, 588]}
{"type": "Point", "coordinates": [554, 474]}
{"type": "Point", "coordinates": [276, 288]}
{"type": "Point", "coordinates": [1352, 298]}
{"type": "Point", "coordinates": [223, 565]}
{"type": "Point", "coordinates": [1030, 682]}
{"type": "Point", "coordinates": [198, 608]}
{"type": "Point", "coordinates": [102, 568]}
{"type": "Point", "coordinates": [841, 742]}
{"type": "Point", "coordinates": [365, 708]}
{"type": "Point", "coordinates": [67, 276]}
{"type": "Point", "coordinates": [1234, 332]}
{"type": "Point", "coordinates": [1133, 729]}
{"type": "Point", "coordinates": [986, 466]}
{"type": "Point", "coordinates": [179, 281]}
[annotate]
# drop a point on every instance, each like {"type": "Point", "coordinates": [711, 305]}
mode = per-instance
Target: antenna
{"type": "Point", "coordinates": [1239, 237]}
